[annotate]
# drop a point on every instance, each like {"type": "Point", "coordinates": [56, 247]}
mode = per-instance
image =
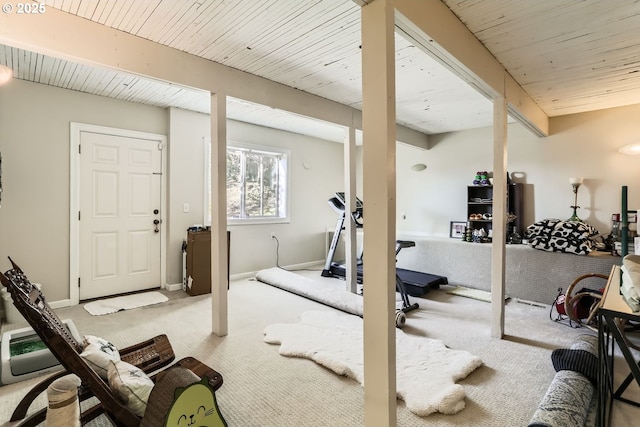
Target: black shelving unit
{"type": "Point", "coordinates": [480, 202]}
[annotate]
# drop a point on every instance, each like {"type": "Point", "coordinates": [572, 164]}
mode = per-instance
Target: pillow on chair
{"type": "Point", "coordinates": [98, 352]}
{"type": "Point", "coordinates": [164, 393]}
{"type": "Point", "coordinates": [180, 396]}
{"type": "Point", "coordinates": [131, 384]}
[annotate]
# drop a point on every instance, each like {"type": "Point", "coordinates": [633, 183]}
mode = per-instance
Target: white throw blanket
{"type": "Point", "coordinates": [426, 371]}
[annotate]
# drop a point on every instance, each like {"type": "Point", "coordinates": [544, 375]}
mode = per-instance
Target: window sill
{"type": "Point", "coordinates": [258, 221]}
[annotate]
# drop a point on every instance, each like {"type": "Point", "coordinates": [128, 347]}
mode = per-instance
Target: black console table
{"type": "Point", "coordinates": [610, 333]}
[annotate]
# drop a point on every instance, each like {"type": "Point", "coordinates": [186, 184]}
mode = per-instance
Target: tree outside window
{"type": "Point", "coordinates": [256, 184]}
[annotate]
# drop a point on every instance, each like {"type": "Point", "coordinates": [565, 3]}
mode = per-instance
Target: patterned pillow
{"type": "Point", "coordinates": [98, 352]}
{"type": "Point", "coordinates": [131, 384]}
{"type": "Point", "coordinates": [554, 235]}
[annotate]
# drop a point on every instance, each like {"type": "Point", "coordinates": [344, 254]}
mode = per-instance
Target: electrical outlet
{"type": "Point", "coordinates": [273, 234]}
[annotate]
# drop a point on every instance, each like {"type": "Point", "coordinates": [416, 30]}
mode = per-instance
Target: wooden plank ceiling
{"type": "Point", "coordinates": [570, 56]}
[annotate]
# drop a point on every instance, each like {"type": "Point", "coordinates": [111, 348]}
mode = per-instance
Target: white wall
{"type": "Point", "coordinates": [34, 142]}
{"type": "Point", "coordinates": [300, 241]}
{"type": "Point", "coordinates": [187, 131]}
{"type": "Point", "coordinates": [34, 216]}
{"type": "Point", "coordinates": [581, 145]}
{"type": "Point", "coordinates": [316, 173]}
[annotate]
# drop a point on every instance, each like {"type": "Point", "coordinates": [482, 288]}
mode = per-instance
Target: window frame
{"type": "Point", "coordinates": [283, 194]}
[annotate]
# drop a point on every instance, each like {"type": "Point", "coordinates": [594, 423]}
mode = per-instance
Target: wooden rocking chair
{"type": "Point", "coordinates": [149, 356]}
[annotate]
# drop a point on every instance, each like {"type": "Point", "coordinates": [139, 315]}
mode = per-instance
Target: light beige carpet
{"type": "Point", "coordinates": [262, 388]}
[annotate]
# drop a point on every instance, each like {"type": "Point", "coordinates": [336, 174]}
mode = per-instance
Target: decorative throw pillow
{"type": "Point", "coordinates": [131, 384]}
{"type": "Point", "coordinates": [562, 236]}
{"type": "Point", "coordinates": [98, 352]}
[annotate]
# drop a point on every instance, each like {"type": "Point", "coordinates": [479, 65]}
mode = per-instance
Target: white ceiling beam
{"type": "Point", "coordinates": [437, 30]}
{"type": "Point", "coordinates": [63, 35]}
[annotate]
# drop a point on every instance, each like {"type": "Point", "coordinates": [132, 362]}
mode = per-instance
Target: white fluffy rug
{"type": "Point", "coordinates": [426, 371]}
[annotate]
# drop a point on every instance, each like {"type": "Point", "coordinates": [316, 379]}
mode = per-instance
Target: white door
{"type": "Point", "coordinates": [120, 186]}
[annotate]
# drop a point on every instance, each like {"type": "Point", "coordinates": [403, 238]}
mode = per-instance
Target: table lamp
{"type": "Point", "coordinates": [575, 183]}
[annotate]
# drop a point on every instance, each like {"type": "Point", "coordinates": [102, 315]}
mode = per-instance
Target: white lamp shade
{"type": "Point", "coordinates": [574, 181]}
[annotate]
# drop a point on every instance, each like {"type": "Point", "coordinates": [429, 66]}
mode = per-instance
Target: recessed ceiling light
{"type": "Point", "coordinates": [631, 149]}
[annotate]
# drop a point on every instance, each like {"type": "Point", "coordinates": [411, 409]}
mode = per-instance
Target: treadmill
{"type": "Point", "coordinates": [337, 269]}
{"type": "Point", "coordinates": [415, 283]}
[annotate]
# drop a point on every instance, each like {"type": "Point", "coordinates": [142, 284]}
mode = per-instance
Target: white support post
{"type": "Point", "coordinates": [219, 273]}
{"type": "Point", "coordinates": [498, 248]}
{"type": "Point", "coordinates": [350, 194]}
{"type": "Point", "coordinates": [379, 180]}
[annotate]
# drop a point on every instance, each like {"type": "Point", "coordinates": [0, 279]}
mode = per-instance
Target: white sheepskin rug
{"type": "Point", "coordinates": [426, 371]}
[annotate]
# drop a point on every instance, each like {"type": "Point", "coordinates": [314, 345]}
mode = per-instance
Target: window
{"type": "Point", "coordinates": [257, 184]}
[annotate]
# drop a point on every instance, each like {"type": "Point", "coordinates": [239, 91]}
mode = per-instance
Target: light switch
{"type": "Point", "coordinates": [185, 208]}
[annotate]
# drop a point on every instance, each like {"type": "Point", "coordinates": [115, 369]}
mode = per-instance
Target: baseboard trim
{"type": "Point", "coordinates": [241, 276]}
{"type": "Point", "coordinates": [67, 302]}
{"type": "Point", "coordinates": [250, 274]}
{"type": "Point", "coordinates": [173, 287]}
{"type": "Point", "coordinates": [60, 304]}
{"type": "Point", "coordinates": [178, 286]}
{"type": "Point", "coordinates": [533, 303]}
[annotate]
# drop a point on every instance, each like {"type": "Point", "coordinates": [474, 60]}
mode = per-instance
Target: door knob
{"type": "Point", "coordinates": [156, 222]}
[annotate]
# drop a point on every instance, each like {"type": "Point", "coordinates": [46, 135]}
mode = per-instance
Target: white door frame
{"type": "Point", "coordinates": [75, 131]}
